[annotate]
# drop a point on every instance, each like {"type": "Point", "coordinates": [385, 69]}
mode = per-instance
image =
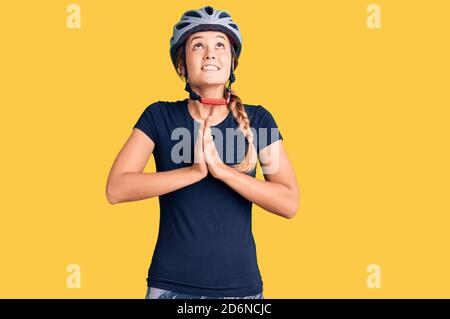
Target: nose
{"type": "Point", "coordinates": [209, 55]}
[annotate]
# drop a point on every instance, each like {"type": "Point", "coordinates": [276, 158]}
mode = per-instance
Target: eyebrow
{"type": "Point", "coordinates": [218, 36]}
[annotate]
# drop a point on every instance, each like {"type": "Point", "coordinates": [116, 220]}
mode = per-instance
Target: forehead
{"type": "Point", "coordinates": [208, 35]}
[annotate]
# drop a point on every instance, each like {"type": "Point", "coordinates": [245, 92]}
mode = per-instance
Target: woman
{"type": "Point", "coordinates": [205, 246]}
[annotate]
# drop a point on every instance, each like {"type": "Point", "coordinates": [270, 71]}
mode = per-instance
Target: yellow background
{"type": "Point", "coordinates": [364, 114]}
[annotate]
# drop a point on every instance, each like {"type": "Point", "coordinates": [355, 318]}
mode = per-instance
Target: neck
{"type": "Point", "coordinates": [209, 92]}
{"type": "Point", "coordinates": [199, 110]}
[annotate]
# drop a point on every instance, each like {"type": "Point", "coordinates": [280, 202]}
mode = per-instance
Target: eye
{"type": "Point", "coordinates": [195, 45]}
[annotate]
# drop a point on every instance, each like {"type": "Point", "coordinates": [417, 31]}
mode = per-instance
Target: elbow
{"type": "Point", "coordinates": [291, 211]}
{"type": "Point", "coordinates": [114, 190]}
{"type": "Point", "coordinates": [111, 196]}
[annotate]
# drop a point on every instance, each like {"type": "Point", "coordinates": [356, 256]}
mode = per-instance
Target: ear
{"type": "Point", "coordinates": [181, 69]}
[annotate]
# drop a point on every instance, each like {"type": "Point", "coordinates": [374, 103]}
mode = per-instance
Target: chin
{"type": "Point", "coordinates": [203, 82]}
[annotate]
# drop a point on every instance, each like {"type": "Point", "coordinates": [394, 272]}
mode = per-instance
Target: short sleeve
{"type": "Point", "coordinates": [147, 122]}
{"type": "Point", "coordinates": [267, 128]}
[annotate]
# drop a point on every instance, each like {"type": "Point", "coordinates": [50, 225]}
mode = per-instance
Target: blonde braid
{"type": "Point", "coordinates": [237, 108]}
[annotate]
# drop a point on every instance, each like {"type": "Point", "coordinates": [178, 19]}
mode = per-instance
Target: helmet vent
{"type": "Point", "coordinates": [182, 25]}
{"type": "Point", "coordinates": [209, 10]}
{"type": "Point", "coordinates": [224, 15]}
{"type": "Point", "coordinates": [234, 26]}
{"type": "Point", "coordinates": [193, 14]}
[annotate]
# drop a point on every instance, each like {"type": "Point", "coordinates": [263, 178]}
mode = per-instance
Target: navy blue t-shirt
{"type": "Point", "coordinates": [205, 243]}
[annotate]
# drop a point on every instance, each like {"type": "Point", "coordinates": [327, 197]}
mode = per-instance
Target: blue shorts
{"type": "Point", "coordinates": [157, 293]}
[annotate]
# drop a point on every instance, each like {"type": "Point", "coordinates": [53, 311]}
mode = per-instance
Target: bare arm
{"type": "Point", "coordinates": [126, 181]}
{"type": "Point", "coordinates": [279, 193]}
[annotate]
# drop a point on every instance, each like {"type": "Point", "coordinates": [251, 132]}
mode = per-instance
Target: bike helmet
{"type": "Point", "coordinates": [204, 19]}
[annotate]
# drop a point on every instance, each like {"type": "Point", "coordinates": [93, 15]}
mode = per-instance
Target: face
{"type": "Point", "coordinates": [208, 47]}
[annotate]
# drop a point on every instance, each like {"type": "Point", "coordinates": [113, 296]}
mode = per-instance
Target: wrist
{"type": "Point", "coordinates": [225, 172]}
{"type": "Point", "coordinates": [196, 174]}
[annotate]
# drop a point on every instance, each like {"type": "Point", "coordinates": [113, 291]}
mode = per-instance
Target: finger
{"type": "Point", "coordinates": [208, 125]}
{"type": "Point", "coordinates": [207, 150]}
{"type": "Point", "coordinates": [198, 143]}
{"type": "Point", "coordinates": [201, 131]}
{"type": "Point", "coordinates": [202, 127]}
{"type": "Point", "coordinates": [207, 135]}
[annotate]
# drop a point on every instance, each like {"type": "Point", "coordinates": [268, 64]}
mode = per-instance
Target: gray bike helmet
{"type": "Point", "coordinates": [204, 19]}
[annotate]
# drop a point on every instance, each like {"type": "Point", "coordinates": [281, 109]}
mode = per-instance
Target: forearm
{"type": "Point", "coordinates": [273, 197]}
{"type": "Point", "coordinates": [132, 186]}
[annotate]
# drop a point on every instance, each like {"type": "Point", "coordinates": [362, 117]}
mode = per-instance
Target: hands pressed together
{"type": "Point", "coordinates": [206, 157]}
